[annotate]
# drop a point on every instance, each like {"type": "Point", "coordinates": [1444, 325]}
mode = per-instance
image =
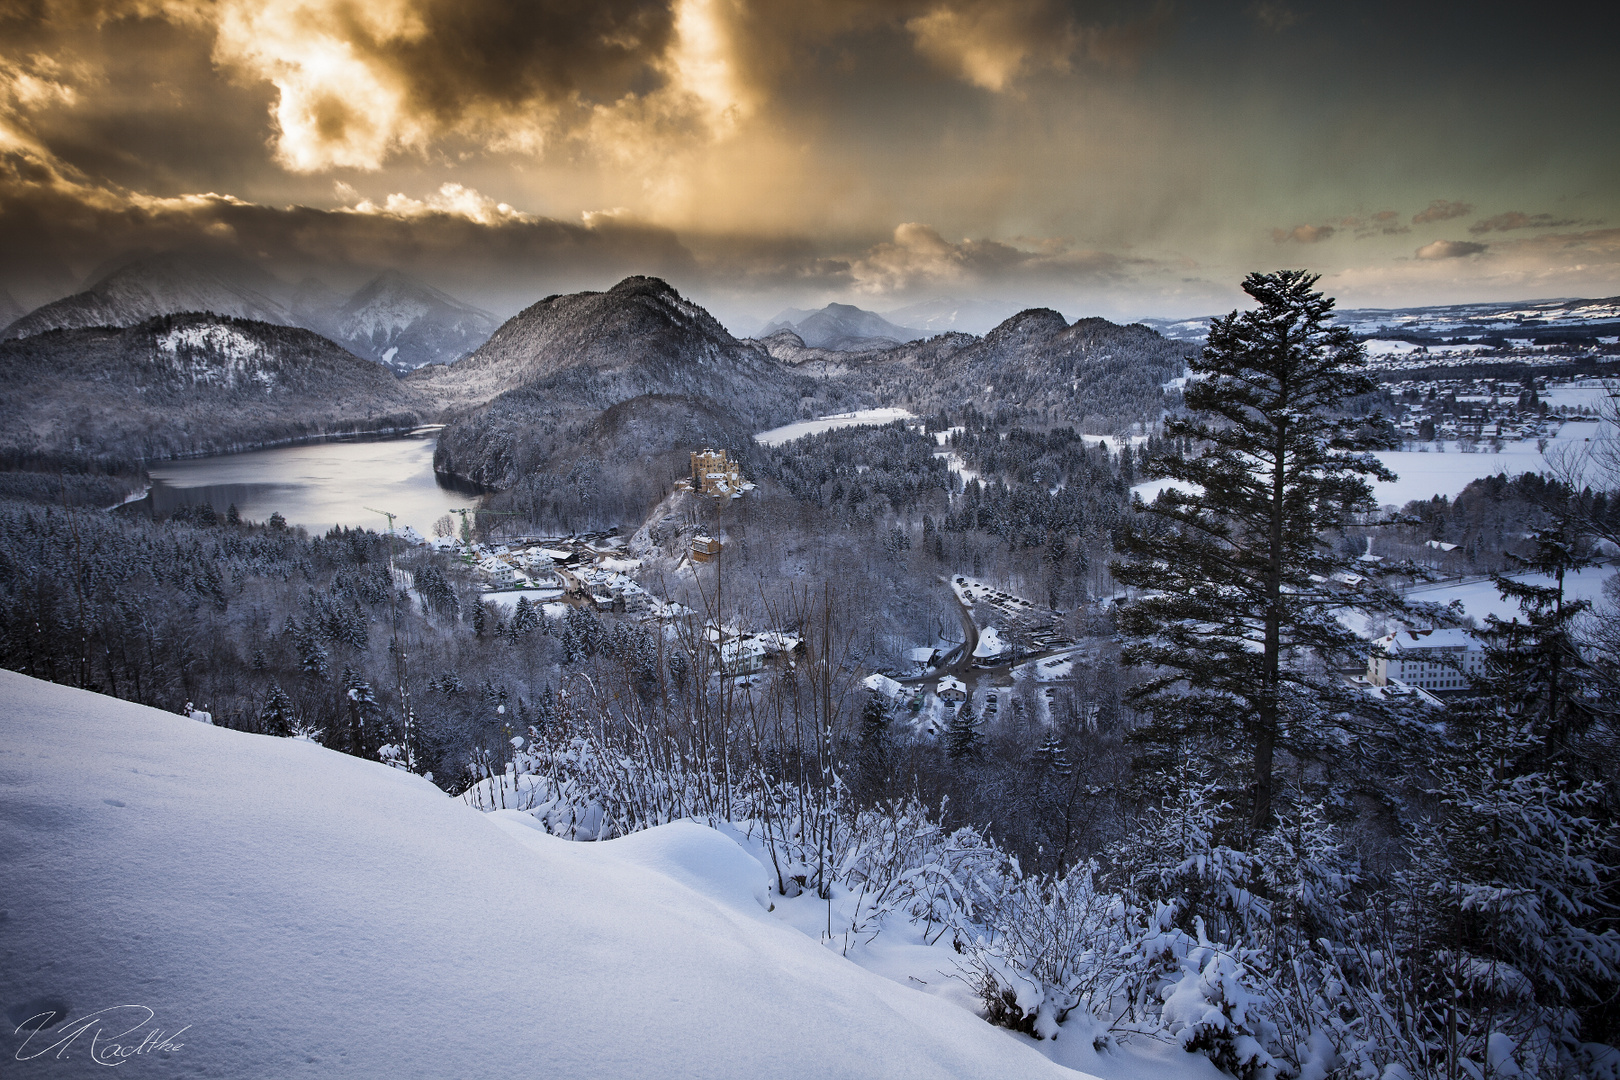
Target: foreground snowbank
{"type": "Point", "coordinates": [302, 913]}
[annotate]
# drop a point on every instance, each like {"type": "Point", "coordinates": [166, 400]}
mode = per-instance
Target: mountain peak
{"type": "Point", "coordinates": [840, 326]}
{"type": "Point", "coordinates": [1029, 324]}
{"type": "Point", "coordinates": [166, 283]}
{"type": "Point", "coordinates": [404, 323]}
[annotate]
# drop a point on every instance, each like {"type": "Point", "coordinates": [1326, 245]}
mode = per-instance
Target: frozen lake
{"type": "Point", "coordinates": [316, 486]}
{"type": "Point", "coordinates": [1423, 475]}
{"type": "Point", "coordinates": [1480, 598]}
{"type": "Point", "coordinates": [801, 428]}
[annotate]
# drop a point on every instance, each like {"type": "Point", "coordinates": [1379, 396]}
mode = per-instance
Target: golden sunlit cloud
{"type": "Point", "coordinates": [337, 107]}
{"type": "Point", "coordinates": [455, 200]}
{"type": "Point", "coordinates": [1090, 151]}
{"type": "Point", "coordinates": [991, 42]}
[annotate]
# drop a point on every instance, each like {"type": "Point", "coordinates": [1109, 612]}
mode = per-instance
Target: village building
{"type": "Point", "coordinates": [705, 548]}
{"type": "Point", "coordinates": [923, 656]}
{"type": "Point", "coordinates": [885, 686]}
{"type": "Point", "coordinates": [744, 653]}
{"type": "Point", "coordinates": [952, 690]}
{"type": "Point", "coordinates": [497, 572]}
{"type": "Point", "coordinates": [1438, 661]}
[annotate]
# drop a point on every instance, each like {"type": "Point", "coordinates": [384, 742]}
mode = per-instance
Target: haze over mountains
{"type": "Point", "coordinates": [392, 319]}
{"type": "Point", "coordinates": [403, 323]}
{"type": "Point", "coordinates": [840, 326]}
{"type": "Point", "coordinates": [845, 327]}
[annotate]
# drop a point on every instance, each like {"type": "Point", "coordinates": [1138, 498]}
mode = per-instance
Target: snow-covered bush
{"type": "Point", "coordinates": [1046, 945]}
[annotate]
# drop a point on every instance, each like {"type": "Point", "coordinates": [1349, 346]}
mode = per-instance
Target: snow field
{"type": "Point", "coordinates": [1480, 598]}
{"type": "Point", "coordinates": [305, 913]}
{"type": "Point", "coordinates": [1423, 475]}
{"type": "Point", "coordinates": [799, 429]}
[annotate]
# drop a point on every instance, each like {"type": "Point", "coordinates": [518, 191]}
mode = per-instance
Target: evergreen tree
{"type": "Point", "coordinates": [276, 718]}
{"type": "Point", "coordinates": [1535, 669]}
{"type": "Point", "coordinates": [1508, 921]}
{"type": "Point", "coordinates": [875, 749]}
{"type": "Point", "coordinates": [525, 617]}
{"type": "Point", "coordinates": [1233, 562]}
{"type": "Point", "coordinates": [962, 737]}
{"type": "Point", "coordinates": [362, 712]}
{"type": "Point", "coordinates": [1052, 755]}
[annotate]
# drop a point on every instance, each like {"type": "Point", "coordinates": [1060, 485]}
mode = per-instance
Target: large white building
{"type": "Point", "coordinates": [1433, 660]}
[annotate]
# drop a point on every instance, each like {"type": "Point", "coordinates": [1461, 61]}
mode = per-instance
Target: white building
{"type": "Point", "coordinates": [952, 689]}
{"type": "Point", "coordinates": [882, 684]}
{"type": "Point", "coordinates": [1433, 660]}
{"type": "Point", "coordinates": [497, 571]}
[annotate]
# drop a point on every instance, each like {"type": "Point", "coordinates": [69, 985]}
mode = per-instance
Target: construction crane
{"type": "Point", "coordinates": [400, 649]}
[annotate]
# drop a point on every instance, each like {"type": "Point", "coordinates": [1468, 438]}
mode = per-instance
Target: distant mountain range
{"type": "Point", "coordinates": [1559, 319]}
{"type": "Point", "coordinates": [839, 327]}
{"type": "Point", "coordinates": [392, 320]}
{"type": "Point", "coordinates": [404, 324]}
{"type": "Point", "coordinates": [943, 315]}
{"type": "Point", "coordinates": [846, 328]}
{"type": "Point", "coordinates": [585, 405]}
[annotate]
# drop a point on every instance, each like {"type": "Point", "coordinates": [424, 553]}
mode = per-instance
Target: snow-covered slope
{"type": "Point", "coordinates": [300, 913]}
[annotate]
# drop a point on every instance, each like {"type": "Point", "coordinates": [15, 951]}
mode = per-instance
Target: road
{"type": "Point", "coordinates": [959, 662]}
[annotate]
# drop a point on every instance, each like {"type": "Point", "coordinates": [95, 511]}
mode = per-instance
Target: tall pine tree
{"type": "Point", "coordinates": [1232, 565]}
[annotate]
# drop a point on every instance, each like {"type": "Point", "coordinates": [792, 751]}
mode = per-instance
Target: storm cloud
{"type": "Point", "coordinates": [1126, 157]}
{"type": "Point", "coordinates": [1442, 210]}
{"type": "Point", "coordinates": [1517, 220]}
{"type": "Point", "coordinates": [1449, 249]}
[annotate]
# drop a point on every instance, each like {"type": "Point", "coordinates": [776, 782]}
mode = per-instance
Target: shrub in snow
{"type": "Point", "coordinates": [1046, 945]}
{"type": "Point", "coordinates": [1217, 1008]}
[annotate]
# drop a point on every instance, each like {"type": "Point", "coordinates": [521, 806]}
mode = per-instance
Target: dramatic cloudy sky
{"type": "Point", "coordinates": [1115, 158]}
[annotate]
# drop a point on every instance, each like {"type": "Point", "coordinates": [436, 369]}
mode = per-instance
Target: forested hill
{"type": "Point", "coordinates": [596, 349]}
{"type": "Point", "coordinates": [184, 384]}
{"type": "Point", "coordinates": [1093, 374]}
{"type": "Point", "coordinates": [551, 373]}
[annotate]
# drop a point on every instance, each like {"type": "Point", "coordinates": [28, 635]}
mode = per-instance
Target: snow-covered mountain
{"type": "Point", "coordinates": [404, 324]}
{"type": "Point", "coordinates": [392, 319]}
{"type": "Point", "coordinates": [270, 907]}
{"type": "Point", "coordinates": [636, 373]}
{"type": "Point", "coordinates": [942, 315]}
{"type": "Point", "coordinates": [161, 285]}
{"type": "Point", "coordinates": [840, 326]}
